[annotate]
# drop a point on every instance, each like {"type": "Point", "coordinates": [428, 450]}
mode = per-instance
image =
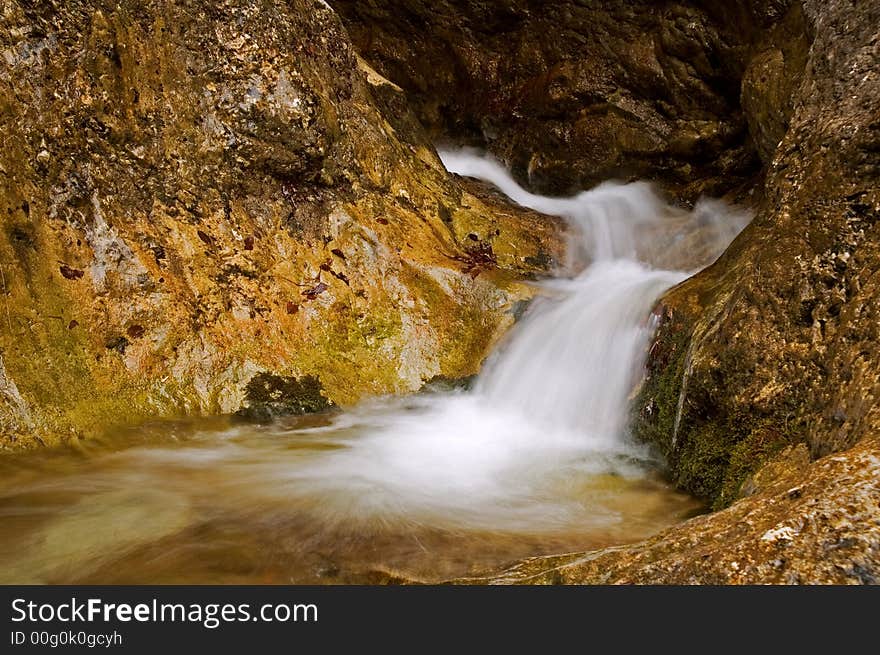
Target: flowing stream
{"type": "Point", "coordinates": [535, 458]}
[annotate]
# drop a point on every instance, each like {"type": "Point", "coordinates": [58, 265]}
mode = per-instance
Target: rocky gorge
{"type": "Point", "coordinates": [237, 207]}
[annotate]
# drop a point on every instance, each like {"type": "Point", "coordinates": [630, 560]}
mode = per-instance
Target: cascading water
{"type": "Point", "coordinates": [573, 360]}
{"type": "Point", "coordinates": [534, 459]}
{"type": "Point", "coordinates": [571, 363]}
{"type": "Point", "coordinates": [550, 406]}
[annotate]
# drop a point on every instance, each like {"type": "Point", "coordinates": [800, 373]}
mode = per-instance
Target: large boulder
{"type": "Point", "coordinates": [216, 206]}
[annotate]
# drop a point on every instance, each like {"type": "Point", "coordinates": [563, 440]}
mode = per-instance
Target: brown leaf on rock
{"type": "Point", "coordinates": [136, 331]}
{"type": "Point", "coordinates": [70, 273]}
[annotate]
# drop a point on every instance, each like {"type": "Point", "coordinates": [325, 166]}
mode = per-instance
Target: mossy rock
{"type": "Point", "coordinates": [269, 396]}
{"type": "Point", "coordinates": [444, 384]}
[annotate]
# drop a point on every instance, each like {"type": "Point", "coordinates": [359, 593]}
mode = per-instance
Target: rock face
{"type": "Point", "coordinates": [779, 342]}
{"type": "Point", "coordinates": [570, 94]}
{"type": "Point", "coordinates": [207, 206]}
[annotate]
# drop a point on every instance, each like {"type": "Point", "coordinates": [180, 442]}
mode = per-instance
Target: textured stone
{"type": "Point", "coordinates": [194, 194]}
{"type": "Point", "coordinates": [778, 343]}
{"type": "Point", "coordinates": [570, 94]}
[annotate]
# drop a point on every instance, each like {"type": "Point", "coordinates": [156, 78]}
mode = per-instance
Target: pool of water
{"type": "Point", "coordinates": [356, 497]}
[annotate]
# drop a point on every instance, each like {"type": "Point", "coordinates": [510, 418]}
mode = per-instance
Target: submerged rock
{"type": "Point", "coordinates": [192, 197]}
{"type": "Point", "coordinates": [95, 531]}
{"type": "Point", "coordinates": [268, 396]}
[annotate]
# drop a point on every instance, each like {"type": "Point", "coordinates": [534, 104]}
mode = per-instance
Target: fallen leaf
{"type": "Point", "coordinates": [70, 273]}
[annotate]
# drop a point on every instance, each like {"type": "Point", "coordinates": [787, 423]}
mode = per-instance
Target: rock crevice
{"type": "Point", "coordinates": [689, 94]}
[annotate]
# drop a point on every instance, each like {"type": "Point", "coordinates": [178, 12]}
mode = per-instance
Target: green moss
{"type": "Point", "coordinates": [702, 459]}
{"type": "Point", "coordinates": [746, 457]}
{"type": "Point", "coordinates": [75, 383]}
{"type": "Point", "coordinates": [697, 450]}
{"type": "Point", "coordinates": [444, 384]}
{"type": "Point", "coordinates": [350, 345]}
{"type": "Point", "coordinates": [464, 326]}
{"type": "Point", "coordinates": [656, 404]}
{"type": "Point", "coordinates": [543, 261]}
{"type": "Point", "coordinates": [717, 444]}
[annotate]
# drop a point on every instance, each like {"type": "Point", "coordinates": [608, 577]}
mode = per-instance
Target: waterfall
{"type": "Point", "coordinates": [571, 363]}
{"type": "Point", "coordinates": [549, 409]}
{"type": "Point", "coordinates": [573, 360]}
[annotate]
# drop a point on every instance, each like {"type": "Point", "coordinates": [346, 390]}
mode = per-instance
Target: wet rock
{"type": "Point", "coordinates": [119, 344]}
{"type": "Point", "coordinates": [621, 90]}
{"type": "Point", "coordinates": [443, 384]}
{"type": "Point", "coordinates": [269, 396]}
{"type": "Point", "coordinates": [777, 344]}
